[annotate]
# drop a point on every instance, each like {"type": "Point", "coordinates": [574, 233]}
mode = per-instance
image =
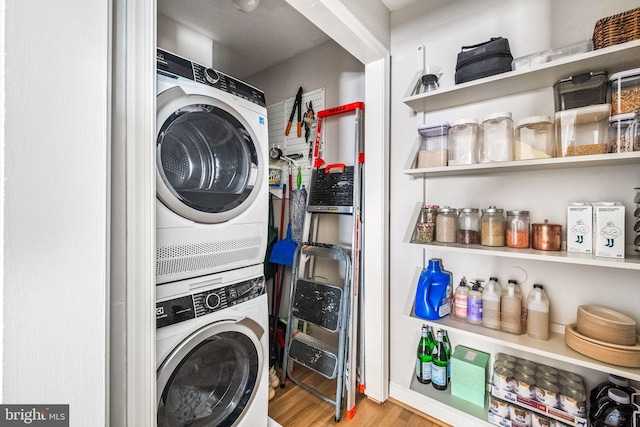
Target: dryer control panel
{"type": "Point", "coordinates": [206, 302]}
{"type": "Point", "coordinates": [172, 65]}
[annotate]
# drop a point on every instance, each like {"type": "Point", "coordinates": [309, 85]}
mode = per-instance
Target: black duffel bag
{"type": "Point", "coordinates": [483, 59]}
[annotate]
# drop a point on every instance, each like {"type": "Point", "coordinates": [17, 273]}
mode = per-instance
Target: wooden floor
{"type": "Point", "coordinates": [293, 406]}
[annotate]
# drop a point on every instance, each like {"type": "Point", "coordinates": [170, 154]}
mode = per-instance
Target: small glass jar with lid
{"type": "Point", "coordinates": [496, 142]}
{"type": "Point", "coordinates": [463, 142]}
{"type": "Point", "coordinates": [518, 234]}
{"type": "Point", "coordinates": [446, 225]}
{"type": "Point", "coordinates": [535, 138]}
{"type": "Point", "coordinates": [468, 227]}
{"type": "Point", "coordinates": [492, 229]}
{"type": "Point", "coordinates": [426, 224]}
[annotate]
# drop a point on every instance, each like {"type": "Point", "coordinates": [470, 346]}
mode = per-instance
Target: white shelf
{"type": "Point", "coordinates": [612, 59]}
{"type": "Point", "coordinates": [631, 262]}
{"type": "Point", "coordinates": [612, 159]}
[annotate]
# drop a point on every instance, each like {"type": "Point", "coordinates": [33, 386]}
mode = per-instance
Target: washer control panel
{"type": "Point", "coordinates": [172, 65]}
{"type": "Point", "coordinates": [206, 302]}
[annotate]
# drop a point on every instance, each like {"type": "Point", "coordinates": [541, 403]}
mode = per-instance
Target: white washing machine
{"type": "Point", "coordinates": [212, 351]}
{"type": "Point", "coordinates": [212, 170]}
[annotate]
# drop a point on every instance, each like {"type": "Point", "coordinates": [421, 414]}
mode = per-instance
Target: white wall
{"type": "Point", "coordinates": [55, 156]}
{"type": "Point", "coordinates": [443, 27]}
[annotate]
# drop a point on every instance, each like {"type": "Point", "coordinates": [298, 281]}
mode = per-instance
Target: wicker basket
{"type": "Point", "coordinates": [617, 29]}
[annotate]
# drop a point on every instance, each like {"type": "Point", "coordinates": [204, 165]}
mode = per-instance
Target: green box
{"type": "Point", "coordinates": [469, 373]}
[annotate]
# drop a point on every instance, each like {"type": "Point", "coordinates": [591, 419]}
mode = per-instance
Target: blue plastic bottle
{"type": "Point", "coordinates": [434, 292]}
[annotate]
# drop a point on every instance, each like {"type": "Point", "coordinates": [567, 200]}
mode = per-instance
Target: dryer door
{"type": "Point", "coordinates": [211, 378]}
{"type": "Point", "coordinates": [209, 169]}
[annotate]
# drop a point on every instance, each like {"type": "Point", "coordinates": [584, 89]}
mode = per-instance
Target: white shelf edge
{"type": "Point", "coordinates": [631, 262]}
{"type": "Point", "coordinates": [528, 165]}
{"type": "Point", "coordinates": [612, 59]}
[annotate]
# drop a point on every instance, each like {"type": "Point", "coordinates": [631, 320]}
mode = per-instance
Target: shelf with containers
{"type": "Point", "coordinates": [613, 59]}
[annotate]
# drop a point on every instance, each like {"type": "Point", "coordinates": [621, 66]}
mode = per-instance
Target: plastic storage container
{"type": "Point", "coordinates": [545, 56]}
{"type": "Point", "coordinates": [433, 145]}
{"type": "Point", "coordinates": [468, 227]}
{"type": "Point", "coordinates": [496, 141]}
{"type": "Point", "coordinates": [582, 131]}
{"type": "Point", "coordinates": [535, 138]}
{"type": "Point", "coordinates": [463, 142]}
{"type": "Point", "coordinates": [618, 125]}
{"type": "Point", "coordinates": [581, 90]}
{"type": "Point", "coordinates": [625, 91]}
{"type": "Point", "coordinates": [518, 233]}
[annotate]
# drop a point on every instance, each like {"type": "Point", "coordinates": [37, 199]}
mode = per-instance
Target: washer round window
{"type": "Point", "coordinates": [207, 159]}
{"type": "Point", "coordinates": [213, 384]}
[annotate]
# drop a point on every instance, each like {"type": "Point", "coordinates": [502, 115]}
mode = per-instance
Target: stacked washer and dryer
{"type": "Point", "coordinates": [211, 234]}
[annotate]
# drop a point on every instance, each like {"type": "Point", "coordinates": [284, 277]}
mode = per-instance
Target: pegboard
{"type": "Point", "coordinates": [278, 115]}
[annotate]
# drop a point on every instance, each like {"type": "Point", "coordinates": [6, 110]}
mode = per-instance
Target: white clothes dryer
{"type": "Point", "coordinates": [212, 351]}
{"type": "Point", "coordinates": [212, 170]}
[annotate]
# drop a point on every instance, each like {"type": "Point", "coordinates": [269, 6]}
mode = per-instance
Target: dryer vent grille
{"type": "Point", "coordinates": [175, 262]}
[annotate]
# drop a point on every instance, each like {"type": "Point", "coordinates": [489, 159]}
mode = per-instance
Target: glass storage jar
{"type": "Point", "coordinates": [518, 234]}
{"type": "Point", "coordinates": [535, 138]}
{"type": "Point", "coordinates": [496, 142]}
{"type": "Point", "coordinates": [468, 227]}
{"type": "Point", "coordinates": [426, 224]}
{"type": "Point", "coordinates": [492, 227]}
{"type": "Point", "coordinates": [446, 225]}
{"type": "Point", "coordinates": [463, 142]}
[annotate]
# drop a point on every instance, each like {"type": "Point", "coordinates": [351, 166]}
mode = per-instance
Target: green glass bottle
{"type": "Point", "coordinates": [447, 344]}
{"type": "Point", "coordinates": [439, 362]}
{"type": "Point", "coordinates": [431, 336]}
{"type": "Point", "coordinates": [423, 359]}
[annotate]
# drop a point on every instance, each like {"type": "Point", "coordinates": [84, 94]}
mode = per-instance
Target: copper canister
{"type": "Point", "coordinates": [546, 237]}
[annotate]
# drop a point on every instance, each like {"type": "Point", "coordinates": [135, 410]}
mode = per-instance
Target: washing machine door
{"type": "Point", "coordinates": [211, 378]}
{"type": "Point", "coordinates": [209, 168]}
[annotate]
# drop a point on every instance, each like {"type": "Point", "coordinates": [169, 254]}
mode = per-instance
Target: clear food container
{"type": "Point", "coordinates": [625, 91]}
{"type": "Point", "coordinates": [582, 131]}
{"type": "Point", "coordinates": [618, 141]}
{"type": "Point", "coordinates": [535, 138]}
{"type": "Point", "coordinates": [433, 145]}
{"type": "Point", "coordinates": [581, 90]}
{"type": "Point", "coordinates": [496, 142]}
{"type": "Point", "coordinates": [463, 142]}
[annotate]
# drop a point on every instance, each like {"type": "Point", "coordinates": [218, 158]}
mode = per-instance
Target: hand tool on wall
{"type": "Point", "coordinates": [297, 105]}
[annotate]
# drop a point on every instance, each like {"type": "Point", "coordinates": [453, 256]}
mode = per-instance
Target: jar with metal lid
{"type": "Point", "coordinates": [496, 143]}
{"type": "Point", "coordinates": [492, 228]}
{"type": "Point", "coordinates": [446, 225]}
{"type": "Point", "coordinates": [463, 142]}
{"type": "Point", "coordinates": [535, 138]}
{"type": "Point", "coordinates": [518, 229]}
{"type": "Point", "coordinates": [468, 227]}
{"type": "Point", "coordinates": [426, 224]}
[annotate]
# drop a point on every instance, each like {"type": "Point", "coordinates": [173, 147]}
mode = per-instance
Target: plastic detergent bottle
{"type": "Point", "coordinates": [491, 304]}
{"type": "Point", "coordinates": [460, 300]}
{"type": "Point", "coordinates": [511, 304]}
{"type": "Point", "coordinates": [474, 305]}
{"type": "Point", "coordinates": [538, 313]}
{"type": "Point", "coordinates": [434, 292]}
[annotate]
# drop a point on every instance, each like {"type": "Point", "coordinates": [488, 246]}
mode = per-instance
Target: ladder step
{"type": "Point", "coordinates": [315, 354]}
{"type": "Point", "coordinates": [318, 303]}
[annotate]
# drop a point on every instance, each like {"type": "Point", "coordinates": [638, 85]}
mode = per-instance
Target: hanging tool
{"type": "Point", "coordinates": [309, 119]}
{"type": "Point", "coordinates": [297, 105]}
